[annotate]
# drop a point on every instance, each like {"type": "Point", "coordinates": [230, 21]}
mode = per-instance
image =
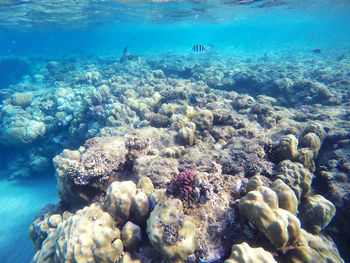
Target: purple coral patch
{"type": "Point", "coordinates": [182, 184]}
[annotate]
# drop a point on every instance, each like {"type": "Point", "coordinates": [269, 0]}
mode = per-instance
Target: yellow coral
{"type": "Point", "coordinates": [171, 232]}
{"type": "Point", "coordinates": [88, 236]}
{"type": "Point", "coordinates": [261, 208]}
{"type": "Point", "coordinates": [243, 253]}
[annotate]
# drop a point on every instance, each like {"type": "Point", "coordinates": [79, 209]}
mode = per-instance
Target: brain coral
{"type": "Point", "coordinates": [171, 232]}
{"type": "Point", "coordinates": [22, 99]}
{"type": "Point", "coordinates": [243, 253]}
{"type": "Point", "coordinates": [124, 201]}
{"type": "Point", "coordinates": [40, 228]}
{"type": "Point", "coordinates": [88, 236]}
{"type": "Point", "coordinates": [261, 208]}
{"type": "Point", "coordinates": [312, 248]}
{"type": "Point", "coordinates": [18, 127]}
{"type": "Point", "coordinates": [295, 176]}
{"type": "Point", "coordinates": [316, 213]}
{"type": "Point", "coordinates": [287, 148]}
{"type": "Point", "coordinates": [204, 120]}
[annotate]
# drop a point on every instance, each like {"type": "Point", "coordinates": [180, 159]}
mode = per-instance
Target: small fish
{"type": "Point", "coordinates": [200, 48]}
{"type": "Point", "coordinates": [340, 58]}
{"type": "Point", "coordinates": [125, 50]}
{"type": "Point", "coordinates": [304, 110]}
{"type": "Point", "coordinates": [192, 100]}
{"type": "Point", "coordinates": [317, 51]}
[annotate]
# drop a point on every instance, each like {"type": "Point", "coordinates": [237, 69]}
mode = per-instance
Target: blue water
{"type": "Point", "coordinates": [148, 29]}
{"type": "Point", "coordinates": [20, 202]}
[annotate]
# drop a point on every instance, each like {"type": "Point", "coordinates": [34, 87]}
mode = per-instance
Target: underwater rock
{"type": "Point", "coordinates": [171, 232]}
{"type": "Point", "coordinates": [40, 164]}
{"type": "Point", "coordinates": [249, 160]}
{"type": "Point", "coordinates": [243, 253]}
{"type": "Point", "coordinates": [87, 236]}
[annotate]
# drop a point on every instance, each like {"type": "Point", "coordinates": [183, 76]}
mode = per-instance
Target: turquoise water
{"type": "Point", "coordinates": [33, 33]}
{"type": "Point", "coordinates": [20, 203]}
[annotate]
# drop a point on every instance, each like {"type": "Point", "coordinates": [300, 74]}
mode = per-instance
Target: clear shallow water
{"type": "Point", "coordinates": [241, 29]}
{"type": "Point", "coordinates": [20, 202]}
{"type": "Point", "coordinates": [146, 26]}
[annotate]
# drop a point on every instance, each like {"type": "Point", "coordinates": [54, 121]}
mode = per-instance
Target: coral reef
{"type": "Point", "coordinates": [316, 213]}
{"type": "Point", "coordinates": [295, 176]}
{"type": "Point", "coordinates": [124, 201]}
{"type": "Point", "coordinates": [170, 231]}
{"type": "Point", "coordinates": [131, 236]}
{"type": "Point", "coordinates": [243, 253]}
{"type": "Point", "coordinates": [87, 236]}
{"type": "Point", "coordinates": [313, 248]}
{"type": "Point", "coordinates": [127, 138]}
{"type": "Point", "coordinates": [91, 166]}
{"type": "Point", "coordinates": [182, 184]}
{"type": "Point", "coordinates": [261, 208]}
{"type": "Point", "coordinates": [203, 120]}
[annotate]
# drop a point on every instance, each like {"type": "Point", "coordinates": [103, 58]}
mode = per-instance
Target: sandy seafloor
{"type": "Point", "coordinates": [264, 104]}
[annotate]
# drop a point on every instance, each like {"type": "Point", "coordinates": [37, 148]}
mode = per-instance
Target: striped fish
{"type": "Point", "coordinates": [200, 48]}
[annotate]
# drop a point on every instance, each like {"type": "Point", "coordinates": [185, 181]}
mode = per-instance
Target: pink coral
{"type": "Point", "coordinates": [182, 184]}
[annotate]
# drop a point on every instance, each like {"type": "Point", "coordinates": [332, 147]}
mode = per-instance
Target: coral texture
{"type": "Point", "coordinates": [93, 165]}
{"type": "Point", "coordinates": [261, 208]}
{"type": "Point", "coordinates": [316, 213]}
{"type": "Point", "coordinates": [170, 231]}
{"type": "Point", "coordinates": [182, 184]}
{"type": "Point", "coordinates": [87, 236]}
{"type": "Point", "coordinates": [243, 253]}
{"type": "Point", "coordinates": [295, 176]}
